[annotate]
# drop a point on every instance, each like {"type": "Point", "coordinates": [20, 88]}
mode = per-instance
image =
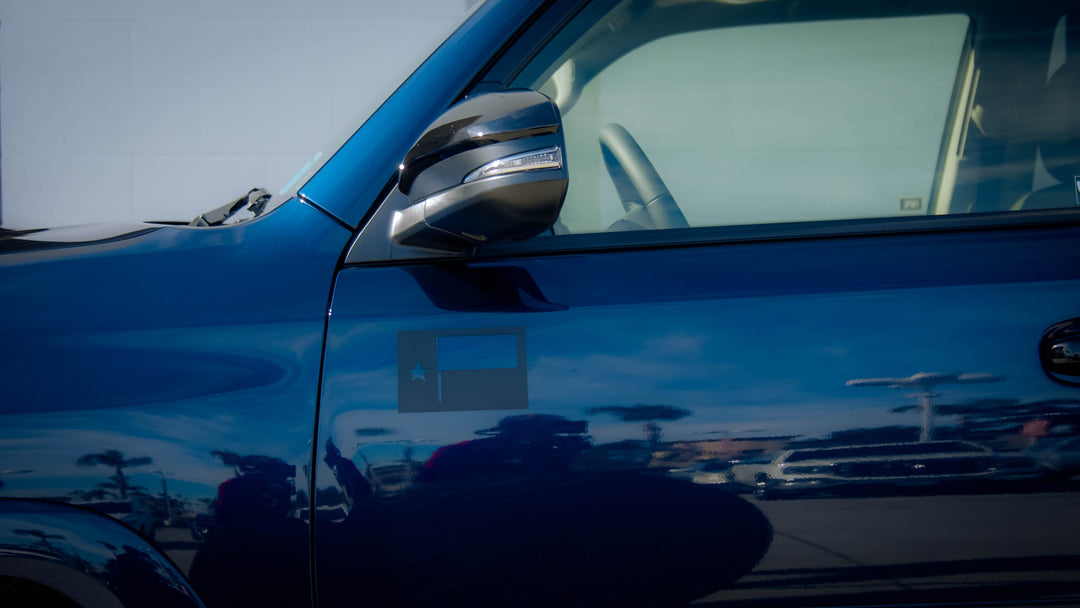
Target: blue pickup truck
{"type": "Point", "coordinates": [612, 303]}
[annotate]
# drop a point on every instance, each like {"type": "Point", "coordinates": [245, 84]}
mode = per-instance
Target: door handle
{"type": "Point", "coordinates": [1059, 352]}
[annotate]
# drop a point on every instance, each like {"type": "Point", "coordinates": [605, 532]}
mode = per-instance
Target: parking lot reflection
{"type": "Point", "coordinates": [499, 519]}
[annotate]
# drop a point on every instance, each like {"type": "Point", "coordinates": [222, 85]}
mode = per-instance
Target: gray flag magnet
{"type": "Point", "coordinates": [453, 370]}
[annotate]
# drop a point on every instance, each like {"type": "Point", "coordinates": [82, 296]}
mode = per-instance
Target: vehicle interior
{"type": "Point", "coordinates": [688, 113]}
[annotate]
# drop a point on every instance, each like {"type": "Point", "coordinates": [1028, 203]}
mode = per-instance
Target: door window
{"type": "Point", "coordinates": [718, 123]}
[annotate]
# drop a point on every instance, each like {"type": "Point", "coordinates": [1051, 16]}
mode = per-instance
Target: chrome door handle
{"type": "Point", "coordinates": [1059, 352]}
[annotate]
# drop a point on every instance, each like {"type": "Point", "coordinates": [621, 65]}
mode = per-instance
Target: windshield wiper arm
{"type": "Point", "coordinates": [255, 201]}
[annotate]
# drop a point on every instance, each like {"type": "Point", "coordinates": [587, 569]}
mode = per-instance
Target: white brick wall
{"type": "Point", "coordinates": [121, 110]}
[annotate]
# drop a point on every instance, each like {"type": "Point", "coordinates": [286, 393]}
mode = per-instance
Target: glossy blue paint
{"type": "Point", "coordinates": [643, 365]}
{"type": "Point", "coordinates": [169, 380]}
{"type": "Point", "coordinates": [181, 380]}
{"type": "Point", "coordinates": [90, 559]}
{"type": "Point", "coordinates": [351, 180]}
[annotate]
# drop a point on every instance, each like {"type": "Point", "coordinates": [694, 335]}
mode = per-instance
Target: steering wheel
{"type": "Point", "coordinates": [645, 198]}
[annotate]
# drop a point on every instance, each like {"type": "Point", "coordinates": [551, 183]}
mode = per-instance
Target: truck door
{"type": "Point", "coordinates": [818, 373]}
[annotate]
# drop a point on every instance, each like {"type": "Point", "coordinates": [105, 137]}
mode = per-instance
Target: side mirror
{"type": "Point", "coordinates": [491, 168]}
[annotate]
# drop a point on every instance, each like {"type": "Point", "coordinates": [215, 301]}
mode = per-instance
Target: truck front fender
{"type": "Point", "coordinates": [92, 559]}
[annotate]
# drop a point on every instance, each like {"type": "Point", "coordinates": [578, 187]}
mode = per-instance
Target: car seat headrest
{"type": "Point", "coordinates": [1059, 124]}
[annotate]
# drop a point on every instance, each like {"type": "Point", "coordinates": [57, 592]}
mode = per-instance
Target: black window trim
{"type": "Point", "coordinates": [599, 242]}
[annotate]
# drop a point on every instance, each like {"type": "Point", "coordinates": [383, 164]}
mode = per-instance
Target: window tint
{"type": "Point", "coordinates": [845, 117]}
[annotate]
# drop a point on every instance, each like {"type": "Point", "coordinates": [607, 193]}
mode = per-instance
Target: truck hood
{"type": "Point", "coordinates": [69, 236]}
